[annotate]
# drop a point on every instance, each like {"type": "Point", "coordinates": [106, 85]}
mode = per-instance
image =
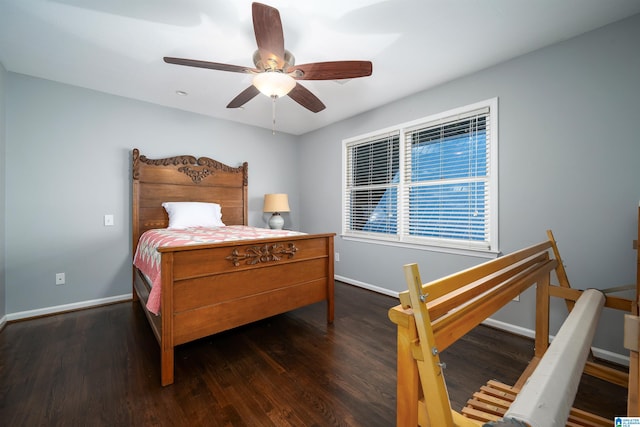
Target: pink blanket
{"type": "Point", "coordinates": [147, 257]}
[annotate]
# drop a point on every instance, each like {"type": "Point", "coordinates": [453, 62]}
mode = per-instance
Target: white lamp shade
{"type": "Point", "coordinates": [274, 83]}
{"type": "Point", "coordinates": [276, 203]}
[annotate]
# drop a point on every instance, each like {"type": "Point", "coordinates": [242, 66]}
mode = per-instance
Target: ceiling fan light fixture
{"type": "Point", "coordinates": [274, 83]}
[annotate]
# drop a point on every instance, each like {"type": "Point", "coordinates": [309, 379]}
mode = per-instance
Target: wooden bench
{"type": "Point", "coordinates": [433, 316]}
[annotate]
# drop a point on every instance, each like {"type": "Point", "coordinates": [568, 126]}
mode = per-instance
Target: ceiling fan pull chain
{"type": "Point", "coordinates": [273, 114]}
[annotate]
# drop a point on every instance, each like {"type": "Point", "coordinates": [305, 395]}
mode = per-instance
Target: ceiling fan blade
{"type": "Point", "coordinates": [304, 97]}
{"type": "Point", "coordinates": [245, 96]}
{"type": "Point", "coordinates": [210, 65]}
{"type": "Point", "coordinates": [335, 70]}
{"type": "Point", "coordinates": [269, 35]}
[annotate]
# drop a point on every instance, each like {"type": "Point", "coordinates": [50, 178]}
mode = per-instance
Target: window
{"type": "Point", "coordinates": [431, 182]}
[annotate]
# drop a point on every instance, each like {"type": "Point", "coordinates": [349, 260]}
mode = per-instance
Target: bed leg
{"type": "Point", "coordinates": [134, 293]}
{"type": "Point", "coordinates": [330, 303]}
{"type": "Point", "coordinates": [330, 280]}
{"type": "Point", "coordinates": [166, 365]}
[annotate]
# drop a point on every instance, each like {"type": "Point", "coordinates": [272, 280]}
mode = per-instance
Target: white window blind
{"type": "Point", "coordinates": [446, 195]}
{"type": "Point", "coordinates": [372, 182]}
{"type": "Point", "coordinates": [430, 182]}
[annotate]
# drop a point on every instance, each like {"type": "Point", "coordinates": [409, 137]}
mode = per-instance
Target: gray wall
{"type": "Point", "coordinates": [3, 306]}
{"type": "Point", "coordinates": [68, 164]}
{"type": "Point", "coordinates": [569, 152]}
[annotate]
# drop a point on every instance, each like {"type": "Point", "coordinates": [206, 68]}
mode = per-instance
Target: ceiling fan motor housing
{"type": "Point", "coordinates": [289, 61]}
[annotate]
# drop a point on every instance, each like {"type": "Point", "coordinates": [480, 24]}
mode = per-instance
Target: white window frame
{"type": "Point", "coordinates": [485, 249]}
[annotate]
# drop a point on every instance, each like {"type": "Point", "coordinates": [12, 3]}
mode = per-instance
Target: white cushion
{"type": "Point", "coordinates": [193, 214]}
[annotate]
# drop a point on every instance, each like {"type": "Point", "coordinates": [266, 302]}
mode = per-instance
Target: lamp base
{"type": "Point", "coordinates": [276, 221]}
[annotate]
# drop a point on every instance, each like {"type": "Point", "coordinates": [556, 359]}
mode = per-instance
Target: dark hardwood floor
{"type": "Point", "coordinates": [100, 367]}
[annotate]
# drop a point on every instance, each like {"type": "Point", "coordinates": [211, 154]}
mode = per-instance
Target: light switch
{"type": "Point", "coordinates": [108, 220]}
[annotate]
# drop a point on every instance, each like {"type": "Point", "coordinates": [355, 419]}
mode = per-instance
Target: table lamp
{"type": "Point", "coordinates": [276, 203]}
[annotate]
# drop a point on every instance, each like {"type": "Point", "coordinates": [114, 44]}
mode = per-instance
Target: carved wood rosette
{"type": "Point", "coordinates": [196, 175]}
{"type": "Point", "coordinates": [265, 253]}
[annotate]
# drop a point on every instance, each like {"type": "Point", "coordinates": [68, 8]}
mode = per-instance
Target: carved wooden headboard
{"type": "Point", "coordinates": [185, 179]}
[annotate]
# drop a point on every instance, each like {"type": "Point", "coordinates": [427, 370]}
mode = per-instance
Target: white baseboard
{"type": "Point", "coordinates": [514, 329]}
{"type": "Point", "coordinates": [3, 322]}
{"type": "Point", "coordinates": [597, 352]}
{"type": "Point", "coordinates": [367, 286]}
{"type": "Point", "coordinates": [620, 359]}
{"type": "Point", "coordinates": [66, 307]}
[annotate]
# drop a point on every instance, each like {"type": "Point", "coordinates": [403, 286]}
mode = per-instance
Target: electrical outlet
{"type": "Point", "coordinates": [336, 256]}
{"type": "Point", "coordinates": [108, 220]}
{"type": "Point", "coordinates": [60, 279]}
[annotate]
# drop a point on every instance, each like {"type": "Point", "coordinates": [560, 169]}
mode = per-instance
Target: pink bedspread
{"type": "Point", "coordinates": [147, 257]}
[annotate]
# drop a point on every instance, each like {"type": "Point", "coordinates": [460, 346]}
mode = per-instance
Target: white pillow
{"type": "Point", "coordinates": [193, 214]}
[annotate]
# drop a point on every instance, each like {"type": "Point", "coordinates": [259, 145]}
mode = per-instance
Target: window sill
{"type": "Point", "coordinates": [473, 252]}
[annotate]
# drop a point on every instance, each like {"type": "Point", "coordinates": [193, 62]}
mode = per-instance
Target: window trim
{"type": "Point", "coordinates": [400, 240]}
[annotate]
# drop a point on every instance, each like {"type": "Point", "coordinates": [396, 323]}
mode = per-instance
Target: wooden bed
{"type": "Point", "coordinates": [209, 288]}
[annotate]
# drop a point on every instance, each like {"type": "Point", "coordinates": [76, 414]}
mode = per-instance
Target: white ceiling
{"type": "Point", "coordinates": [117, 46]}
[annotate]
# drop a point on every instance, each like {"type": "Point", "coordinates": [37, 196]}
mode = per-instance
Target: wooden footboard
{"type": "Point", "coordinates": [213, 288]}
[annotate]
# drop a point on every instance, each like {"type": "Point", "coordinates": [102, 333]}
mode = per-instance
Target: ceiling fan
{"type": "Point", "coordinates": [275, 72]}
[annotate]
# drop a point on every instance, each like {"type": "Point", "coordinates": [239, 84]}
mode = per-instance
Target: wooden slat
{"type": "Point", "coordinates": [584, 418]}
{"type": "Point", "coordinates": [481, 403]}
{"type": "Point", "coordinates": [440, 306]}
{"type": "Point", "coordinates": [542, 318]}
{"type": "Point", "coordinates": [561, 273]}
{"type": "Point", "coordinates": [479, 415]}
{"type": "Point", "coordinates": [442, 286]}
{"type": "Point", "coordinates": [497, 385]}
{"type": "Point", "coordinates": [570, 294]}
{"type": "Point", "coordinates": [606, 373]}
{"type": "Point", "coordinates": [485, 406]}
{"type": "Point", "coordinates": [450, 328]}
{"type": "Point", "coordinates": [490, 399]}
{"type": "Point", "coordinates": [505, 393]}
